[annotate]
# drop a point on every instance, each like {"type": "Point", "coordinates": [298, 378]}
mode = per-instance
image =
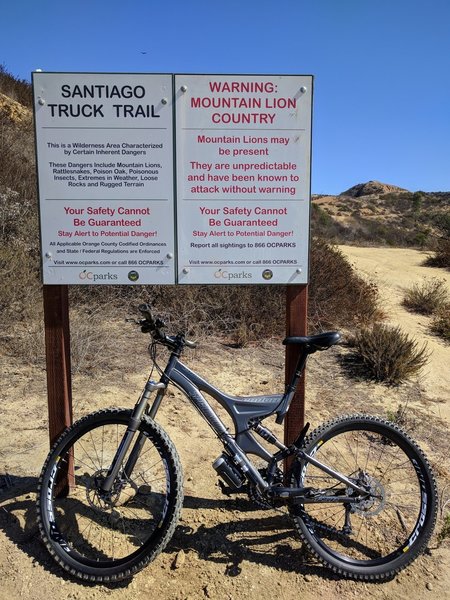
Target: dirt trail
{"type": "Point", "coordinates": [394, 270]}
{"type": "Point", "coordinates": [223, 549]}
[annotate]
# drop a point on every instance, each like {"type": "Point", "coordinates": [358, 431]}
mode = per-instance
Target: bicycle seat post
{"type": "Point", "coordinates": [292, 384]}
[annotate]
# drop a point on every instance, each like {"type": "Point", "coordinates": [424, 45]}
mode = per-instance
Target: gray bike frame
{"type": "Point", "coordinates": [245, 411]}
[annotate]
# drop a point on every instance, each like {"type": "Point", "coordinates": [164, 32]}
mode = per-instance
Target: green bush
{"type": "Point", "coordinates": [444, 533]}
{"type": "Point", "coordinates": [338, 296]}
{"type": "Point", "coordinates": [387, 354]}
{"type": "Point", "coordinates": [323, 225]}
{"type": "Point", "coordinates": [426, 298]}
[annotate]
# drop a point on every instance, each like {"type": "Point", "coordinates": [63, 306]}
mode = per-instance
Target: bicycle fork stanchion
{"type": "Point", "coordinates": [127, 439]}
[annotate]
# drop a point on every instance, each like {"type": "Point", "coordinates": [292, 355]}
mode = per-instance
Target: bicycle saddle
{"type": "Point", "coordinates": [320, 341]}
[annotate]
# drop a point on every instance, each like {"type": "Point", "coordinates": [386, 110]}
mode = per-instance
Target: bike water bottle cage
{"type": "Point", "coordinates": [313, 343]}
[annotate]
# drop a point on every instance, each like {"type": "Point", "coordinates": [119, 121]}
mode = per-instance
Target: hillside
{"type": "Point", "coordinates": [376, 213]}
{"type": "Point", "coordinates": [370, 213]}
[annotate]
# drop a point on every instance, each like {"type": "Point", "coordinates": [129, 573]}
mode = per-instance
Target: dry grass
{"type": "Point", "coordinates": [426, 298]}
{"type": "Point", "coordinates": [440, 325]}
{"type": "Point", "coordinates": [387, 354]}
{"type": "Point", "coordinates": [441, 255]}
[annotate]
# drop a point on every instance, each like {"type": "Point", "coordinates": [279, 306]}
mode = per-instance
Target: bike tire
{"type": "Point", "coordinates": [389, 530]}
{"type": "Point", "coordinates": [105, 540]}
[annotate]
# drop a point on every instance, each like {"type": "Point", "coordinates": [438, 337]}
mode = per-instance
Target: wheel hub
{"type": "Point", "coordinates": [372, 504]}
{"type": "Point", "coordinates": [99, 499]}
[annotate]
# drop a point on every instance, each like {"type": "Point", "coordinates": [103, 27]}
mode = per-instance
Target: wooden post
{"type": "Point", "coordinates": [57, 349]}
{"type": "Point", "coordinates": [296, 316]}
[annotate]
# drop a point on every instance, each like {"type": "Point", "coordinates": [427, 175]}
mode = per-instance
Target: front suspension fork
{"type": "Point", "coordinates": [127, 439]}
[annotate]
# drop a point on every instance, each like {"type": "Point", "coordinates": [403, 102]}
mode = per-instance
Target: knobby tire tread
{"type": "Point", "coordinates": [385, 572]}
{"type": "Point", "coordinates": [149, 555]}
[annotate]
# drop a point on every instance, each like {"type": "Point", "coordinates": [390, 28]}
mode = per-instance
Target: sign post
{"type": "Point", "coordinates": [296, 321]}
{"type": "Point", "coordinates": [57, 344]}
{"type": "Point", "coordinates": [112, 149]}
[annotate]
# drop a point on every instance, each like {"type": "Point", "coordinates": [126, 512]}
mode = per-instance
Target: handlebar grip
{"type": "Point", "coordinates": [154, 327]}
{"type": "Point", "coordinates": [146, 311]}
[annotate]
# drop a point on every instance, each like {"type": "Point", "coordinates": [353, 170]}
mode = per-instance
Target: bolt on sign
{"type": "Point", "coordinates": [243, 178]}
{"type": "Point", "coordinates": [106, 170]}
{"type": "Point", "coordinates": [104, 146]}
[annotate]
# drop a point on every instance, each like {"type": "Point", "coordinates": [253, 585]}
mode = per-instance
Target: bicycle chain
{"type": "Point", "coordinates": [255, 495]}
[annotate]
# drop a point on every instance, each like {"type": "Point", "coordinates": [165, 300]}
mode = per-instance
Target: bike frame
{"type": "Point", "coordinates": [247, 414]}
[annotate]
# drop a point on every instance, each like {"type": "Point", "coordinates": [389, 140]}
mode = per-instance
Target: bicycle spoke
{"type": "Point", "coordinates": [375, 525]}
{"type": "Point", "coordinates": [109, 527]}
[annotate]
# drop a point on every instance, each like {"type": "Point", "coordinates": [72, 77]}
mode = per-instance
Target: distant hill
{"type": "Point", "coordinates": [370, 188]}
{"type": "Point", "coordinates": [375, 213]}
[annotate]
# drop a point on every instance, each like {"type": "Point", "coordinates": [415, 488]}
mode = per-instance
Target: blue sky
{"type": "Point", "coordinates": [382, 68]}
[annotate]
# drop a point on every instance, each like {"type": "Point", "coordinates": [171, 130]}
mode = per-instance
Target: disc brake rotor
{"type": "Point", "coordinates": [373, 504]}
{"type": "Point", "coordinates": [98, 499]}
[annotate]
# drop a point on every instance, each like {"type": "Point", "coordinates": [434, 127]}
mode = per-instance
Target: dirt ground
{"type": "Point", "coordinates": [223, 548]}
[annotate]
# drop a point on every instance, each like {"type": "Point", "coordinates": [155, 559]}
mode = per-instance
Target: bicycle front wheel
{"type": "Point", "coordinates": [378, 534]}
{"type": "Point", "coordinates": [107, 537]}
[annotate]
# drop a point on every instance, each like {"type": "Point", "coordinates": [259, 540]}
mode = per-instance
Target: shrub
{"type": "Point", "coordinates": [441, 221]}
{"type": "Point", "coordinates": [15, 88]}
{"type": "Point", "coordinates": [324, 226]}
{"type": "Point", "coordinates": [427, 297]}
{"type": "Point", "coordinates": [338, 296]}
{"type": "Point", "coordinates": [401, 417]}
{"type": "Point", "coordinates": [440, 325]}
{"type": "Point", "coordinates": [441, 256]}
{"type": "Point", "coordinates": [388, 354]}
{"type": "Point", "coordinates": [444, 533]}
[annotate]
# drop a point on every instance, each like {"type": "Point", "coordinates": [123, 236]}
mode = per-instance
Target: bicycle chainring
{"type": "Point", "coordinates": [255, 495]}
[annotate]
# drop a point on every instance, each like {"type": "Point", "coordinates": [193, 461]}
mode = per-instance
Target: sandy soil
{"type": "Point", "coordinates": [394, 270]}
{"type": "Point", "coordinates": [223, 548]}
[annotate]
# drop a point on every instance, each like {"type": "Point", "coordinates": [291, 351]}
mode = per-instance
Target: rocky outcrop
{"type": "Point", "coordinates": [370, 188]}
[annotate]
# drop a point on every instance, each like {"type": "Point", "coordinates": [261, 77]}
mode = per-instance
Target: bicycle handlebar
{"type": "Point", "coordinates": [153, 326]}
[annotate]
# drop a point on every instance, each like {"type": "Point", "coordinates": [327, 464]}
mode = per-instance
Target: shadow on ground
{"type": "Point", "coordinates": [265, 538]}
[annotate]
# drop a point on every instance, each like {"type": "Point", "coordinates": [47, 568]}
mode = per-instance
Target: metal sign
{"type": "Point", "coordinates": [106, 164]}
{"type": "Point", "coordinates": [243, 178]}
{"type": "Point", "coordinates": [104, 145]}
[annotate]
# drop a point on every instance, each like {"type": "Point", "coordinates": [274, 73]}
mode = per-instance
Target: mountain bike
{"type": "Point", "coordinates": [359, 490]}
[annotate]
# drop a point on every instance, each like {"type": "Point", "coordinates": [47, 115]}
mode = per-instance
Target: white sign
{"type": "Point", "coordinates": [105, 167]}
{"type": "Point", "coordinates": [243, 178]}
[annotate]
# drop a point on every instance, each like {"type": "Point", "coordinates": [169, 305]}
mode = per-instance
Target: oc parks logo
{"type": "Point", "coordinates": [133, 275]}
{"type": "Point", "coordinates": [223, 274]}
{"type": "Point", "coordinates": [90, 276]}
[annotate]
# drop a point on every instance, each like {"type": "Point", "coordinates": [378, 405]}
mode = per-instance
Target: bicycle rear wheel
{"type": "Point", "coordinates": [107, 537]}
{"type": "Point", "coordinates": [380, 534]}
